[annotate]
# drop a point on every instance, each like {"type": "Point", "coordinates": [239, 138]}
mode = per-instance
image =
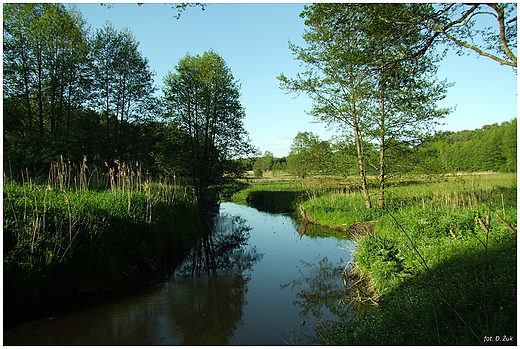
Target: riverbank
{"type": "Point", "coordinates": [440, 262]}
{"type": "Point", "coordinates": [269, 278]}
{"type": "Point", "coordinates": [61, 243]}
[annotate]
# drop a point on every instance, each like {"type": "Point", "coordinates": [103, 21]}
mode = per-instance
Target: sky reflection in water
{"type": "Point", "coordinates": [265, 279]}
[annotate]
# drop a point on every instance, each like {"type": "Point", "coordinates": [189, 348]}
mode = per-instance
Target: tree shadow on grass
{"type": "Point", "coordinates": [445, 305]}
{"type": "Point", "coordinates": [273, 201]}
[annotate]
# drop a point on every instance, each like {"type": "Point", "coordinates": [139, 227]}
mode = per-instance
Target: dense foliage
{"type": "Point", "coordinates": [490, 148]}
{"type": "Point", "coordinates": [203, 101]}
{"type": "Point", "coordinates": [71, 92]}
{"type": "Point", "coordinates": [83, 126]}
{"type": "Point", "coordinates": [308, 154]}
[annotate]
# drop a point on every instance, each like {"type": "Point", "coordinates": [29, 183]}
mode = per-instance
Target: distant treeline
{"type": "Point", "coordinates": [490, 148]}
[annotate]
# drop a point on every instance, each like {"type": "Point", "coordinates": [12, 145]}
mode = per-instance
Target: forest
{"type": "Point", "coordinates": [490, 148]}
{"type": "Point", "coordinates": [75, 94]}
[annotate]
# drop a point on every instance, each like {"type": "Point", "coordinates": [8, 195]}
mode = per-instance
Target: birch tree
{"type": "Point", "coordinates": [337, 82]}
{"type": "Point", "coordinates": [364, 75]}
{"type": "Point", "coordinates": [406, 94]}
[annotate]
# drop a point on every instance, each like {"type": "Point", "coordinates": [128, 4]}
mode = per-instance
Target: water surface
{"type": "Point", "coordinates": [252, 282]}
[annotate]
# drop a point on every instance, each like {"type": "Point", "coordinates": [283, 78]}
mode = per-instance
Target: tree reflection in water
{"type": "Point", "coordinates": [207, 310]}
{"type": "Point", "coordinates": [224, 247]}
{"type": "Point", "coordinates": [211, 285]}
{"type": "Point", "coordinates": [322, 289]}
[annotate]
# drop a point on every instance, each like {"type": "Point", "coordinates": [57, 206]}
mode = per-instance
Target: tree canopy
{"type": "Point", "coordinates": [75, 94]}
{"type": "Point", "coordinates": [458, 26]}
{"type": "Point", "coordinates": [364, 77]}
{"type": "Point", "coordinates": [308, 155]}
{"type": "Point", "coordinates": [203, 102]}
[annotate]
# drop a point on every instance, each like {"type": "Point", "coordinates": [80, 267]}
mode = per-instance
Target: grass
{"type": "Point", "coordinates": [58, 236]}
{"type": "Point", "coordinates": [440, 266]}
{"type": "Point", "coordinates": [282, 193]}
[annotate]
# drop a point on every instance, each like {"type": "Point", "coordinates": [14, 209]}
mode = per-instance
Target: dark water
{"type": "Point", "coordinates": [254, 281]}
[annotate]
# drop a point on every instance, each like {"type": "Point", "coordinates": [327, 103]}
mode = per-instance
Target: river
{"type": "Point", "coordinates": [259, 279]}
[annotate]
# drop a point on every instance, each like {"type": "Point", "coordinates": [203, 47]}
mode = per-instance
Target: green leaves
{"type": "Point", "coordinates": [491, 148]}
{"type": "Point", "coordinates": [309, 155]}
{"type": "Point", "coordinates": [202, 100]}
{"type": "Point", "coordinates": [369, 76]}
{"type": "Point", "coordinates": [68, 93]}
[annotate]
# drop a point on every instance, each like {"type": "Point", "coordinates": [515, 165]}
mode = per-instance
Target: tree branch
{"type": "Point", "coordinates": [480, 52]}
{"type": "Point", "coordinates": [503, 41]}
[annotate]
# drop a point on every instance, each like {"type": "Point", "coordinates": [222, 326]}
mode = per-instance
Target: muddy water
{"type": "Point", "coordinates": [259, 279]}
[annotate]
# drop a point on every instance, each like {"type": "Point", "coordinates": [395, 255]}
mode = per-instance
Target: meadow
{"type": "Point", "coordinates": [437, 264]}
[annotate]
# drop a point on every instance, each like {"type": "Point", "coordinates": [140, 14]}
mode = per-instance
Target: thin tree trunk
{"type": "Point", "coordinates": [27, 89]}
{"type": "Point", "coordinates": [40, 90]}
{"type": "Point", "coordinates": [382, 165]}
{"type": "Point", "coordinates": [107, 109]}
{"type": "Point", "coordinates": [382, 160]}
{"type": "Point", "coordinates": [362, 169]}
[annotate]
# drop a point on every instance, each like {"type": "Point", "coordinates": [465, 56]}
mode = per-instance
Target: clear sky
{"type": "Point", "coordinates": [253, 40]}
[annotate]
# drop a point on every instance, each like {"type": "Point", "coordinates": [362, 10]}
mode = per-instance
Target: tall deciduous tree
{"type": "Point", "coordinates": [406, 91]}
{"type": "Point", "coordinates": [308, 155]}
{"type": "Point", "coordinates": [363, 73]}
{"type": "Point", "coordinates": [337, 83]}
{"type": "Point", "coordinates": [123, 84]}
{"type": "Point", "coordinates": [203, 101]}
{"type": "Point", "coordinates": [45, 80]}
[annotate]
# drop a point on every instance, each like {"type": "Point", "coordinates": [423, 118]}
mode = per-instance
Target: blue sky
{"type": "Point", "coordinates": [253, 40]}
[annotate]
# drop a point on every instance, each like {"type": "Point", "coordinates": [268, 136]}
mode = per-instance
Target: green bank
{"type": "Point", "coordinates": [58, 243]}
{"type": "Point", "coordinates": [437, 264]}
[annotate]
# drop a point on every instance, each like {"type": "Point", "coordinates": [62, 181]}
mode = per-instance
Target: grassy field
{"type": "Point", "coordinates": [59, 240]}
{"type": "Point", "coordinates": [439, 264]}
{"type": "Point", "coordinates": [281, 192]}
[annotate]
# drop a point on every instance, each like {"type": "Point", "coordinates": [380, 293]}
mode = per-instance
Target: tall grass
{"type": "Point", "coordinates": [285, 195]}
{"type": "Point", "coordinates": [441, 264]}
{"type": "Point", "coordinates": [439, 261]}
{"type": "Point", "coordinates": [86, 225]}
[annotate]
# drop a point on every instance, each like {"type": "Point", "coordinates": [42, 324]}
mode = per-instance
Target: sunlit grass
{"type": "Point", "coordinates": [436, 275]}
